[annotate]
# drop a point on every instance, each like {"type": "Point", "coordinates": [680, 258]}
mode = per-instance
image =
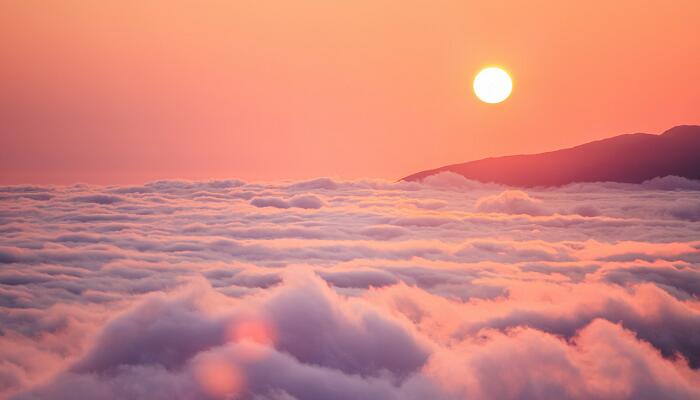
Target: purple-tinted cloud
{"type": "Point", "coordinates": [445, 289]}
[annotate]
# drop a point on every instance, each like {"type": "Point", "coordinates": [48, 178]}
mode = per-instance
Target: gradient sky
{"type": "Point", "coordinates": [131, 91]}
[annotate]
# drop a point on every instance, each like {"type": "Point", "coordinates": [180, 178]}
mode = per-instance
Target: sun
{"type": "Point", "coordinates": [492, 85]}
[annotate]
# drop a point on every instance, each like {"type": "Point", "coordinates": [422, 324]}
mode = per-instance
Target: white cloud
{"type": "Point", "coordinates": [349, 289]}
{"type": "Point", "coordinates": [511, 202]}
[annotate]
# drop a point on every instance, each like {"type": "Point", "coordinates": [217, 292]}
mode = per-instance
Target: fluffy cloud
{"type": "Point", "coordinates": [275, 202]}
{"type": "Point", "coordinates": [306, 201]}
{"type": "Point", "coordinates": [685, 209]}
{"type": "Point", "coordinates": [445, 289]}
{"type": "Point", "coordinates": [511, 202]}
{"type": "Point", "coordinates": [671, 183]}
{"type": "Point", "coordinates": [98, 199]}
{"type": "Point", "coordinates": [302, 201]}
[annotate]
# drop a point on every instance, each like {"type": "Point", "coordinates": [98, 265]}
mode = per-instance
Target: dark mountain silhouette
{"type": "Point", "coordinates": [631, 158]}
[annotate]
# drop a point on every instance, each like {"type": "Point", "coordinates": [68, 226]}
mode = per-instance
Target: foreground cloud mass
{"type": "Point", "coordinates": [327, 289]}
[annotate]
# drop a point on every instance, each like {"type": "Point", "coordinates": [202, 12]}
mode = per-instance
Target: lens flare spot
{"type": "Point", "coordinates": [219, 378]}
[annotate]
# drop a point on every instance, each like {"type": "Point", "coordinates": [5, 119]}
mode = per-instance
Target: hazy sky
{"type": "Point", "coordinates": [130, 91]}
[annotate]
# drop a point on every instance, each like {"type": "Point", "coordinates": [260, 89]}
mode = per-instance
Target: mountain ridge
{"type": "Point", "coordinates": [627, 158]}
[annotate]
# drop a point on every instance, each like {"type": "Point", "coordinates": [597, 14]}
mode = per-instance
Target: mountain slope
{"type": "Point", "coordinates": [631, 158]}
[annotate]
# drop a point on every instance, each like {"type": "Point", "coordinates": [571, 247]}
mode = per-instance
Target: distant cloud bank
{"type": "Point", "coordinates": [329, 289]}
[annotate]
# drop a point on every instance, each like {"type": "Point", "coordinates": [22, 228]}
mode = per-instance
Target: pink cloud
{"type": "Point", "coordinates": [351, 289]}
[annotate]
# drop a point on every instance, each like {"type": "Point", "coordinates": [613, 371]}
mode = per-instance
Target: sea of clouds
{"type": "Point", "coordinates": [365, 289]}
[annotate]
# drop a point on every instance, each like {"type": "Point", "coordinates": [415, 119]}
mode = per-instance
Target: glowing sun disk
{"type": "Point", "coordinates": [492, 85]}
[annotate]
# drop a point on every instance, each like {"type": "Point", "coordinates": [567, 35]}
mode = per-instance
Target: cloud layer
{"type": "Point", "coordinates": [319, 289]}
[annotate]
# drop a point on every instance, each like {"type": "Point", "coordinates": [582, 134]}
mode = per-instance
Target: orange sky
{"type": "Point", "coordinates": [131, 91]}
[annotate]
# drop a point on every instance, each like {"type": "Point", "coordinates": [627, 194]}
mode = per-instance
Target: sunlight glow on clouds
{"type": "Point", "coordinates": [321, 289]}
